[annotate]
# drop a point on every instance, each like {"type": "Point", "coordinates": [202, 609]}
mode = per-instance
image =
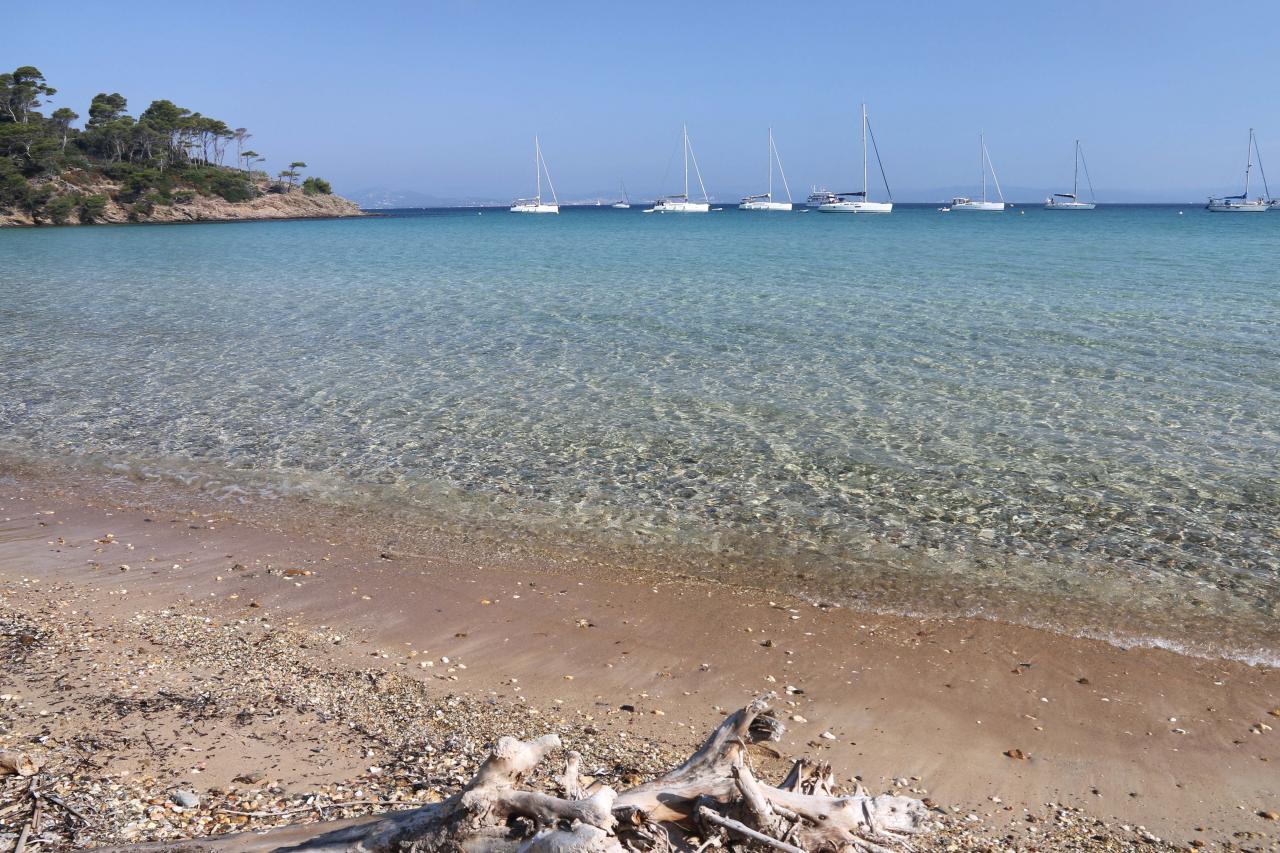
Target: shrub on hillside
{"type": "Point", "coordinates": [232, 186]}
{"type": "Point", "coordinates": [59, 210]}
{"type": "Point", "coordinates": [316, 186]}
{"type": "Point", "coordinates": [93, 207]}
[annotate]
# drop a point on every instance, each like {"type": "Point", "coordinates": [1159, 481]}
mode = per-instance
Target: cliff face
{"type": "Point", "coordinates": [271, 205]}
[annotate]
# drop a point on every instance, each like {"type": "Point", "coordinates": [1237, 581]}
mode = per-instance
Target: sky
{"type": "Point", "coordinates": [444, 98]}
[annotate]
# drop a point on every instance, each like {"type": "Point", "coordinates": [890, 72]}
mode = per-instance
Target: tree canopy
{"type": "Point", "coordinates": [21, 91]}
{"type": "Point", "coordinates": [165, 148]}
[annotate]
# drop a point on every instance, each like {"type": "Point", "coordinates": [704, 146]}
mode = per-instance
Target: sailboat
{"type": "Point", "coordinates": [682, 203]}
{"type": "Point", "coordinates": [1239, 203]}
{"type": "Point", "coordinates": [1071, 200]}
{"type": "Point", "coordinates": [625, 204]}
{"type": "Point", "coordinates": [856, 202]}
{"type": "Point", "coordinates": [963, 203]}
{"type": "Point", "coordinates": [535, 204]}
{"type": "Point", "coordinates": [765, 201]}
{"type": "Point", "coordinates": [1272, 203]}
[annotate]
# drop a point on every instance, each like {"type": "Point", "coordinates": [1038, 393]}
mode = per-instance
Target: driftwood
{"type": "Point", "coordinates": [712, 800]}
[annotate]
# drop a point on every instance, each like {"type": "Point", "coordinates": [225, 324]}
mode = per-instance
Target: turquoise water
{"type": "Point", "coordinates": [1066, 419]}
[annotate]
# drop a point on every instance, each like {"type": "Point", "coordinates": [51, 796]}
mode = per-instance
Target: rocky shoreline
{"type": "Point", "coordinates": [271, 205]}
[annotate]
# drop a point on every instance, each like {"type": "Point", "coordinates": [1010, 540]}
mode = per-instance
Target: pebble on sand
{"type": "Point", "coordinates": [186, 798]}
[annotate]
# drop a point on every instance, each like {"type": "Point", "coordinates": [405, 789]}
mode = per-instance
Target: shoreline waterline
{"type": "Point", "coordinates": [384, 523]}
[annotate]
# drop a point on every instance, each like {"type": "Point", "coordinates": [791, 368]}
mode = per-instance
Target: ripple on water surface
{"type": "Point", "coordinates": [1063, 422]}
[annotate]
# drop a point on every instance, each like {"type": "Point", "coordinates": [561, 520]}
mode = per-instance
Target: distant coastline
{"type": "Point", "coordinates": [169, 164]}
{"type": "Point", "coordinates": [266, 206]}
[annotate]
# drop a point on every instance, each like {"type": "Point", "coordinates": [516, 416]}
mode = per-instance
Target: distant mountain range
{"type": "Point", "coordinates": [382, 198]}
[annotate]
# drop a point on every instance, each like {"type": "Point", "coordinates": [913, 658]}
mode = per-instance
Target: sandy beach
{"type": "Point", "coordinates": [129, 605]}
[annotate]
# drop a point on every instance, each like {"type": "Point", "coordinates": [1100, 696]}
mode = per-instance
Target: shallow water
{"type": "Point", "coordinates": [1065, 419]}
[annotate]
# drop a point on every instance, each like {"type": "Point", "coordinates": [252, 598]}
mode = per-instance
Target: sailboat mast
{"type": "Point", "coordinates": [1248, 164]}
{"type": "Point", "coordinates": [770, 164]}
{"type": "Point", "coordinates": [864, 153]}
{"type": "Point", "coordinates": [1075, 177]}
{"type": "Point", "coordinates": [685, 131]}
{"type": "Point", "coordinates": [537, 168]}
{"type": "Point", "coordinates": [982, 162]}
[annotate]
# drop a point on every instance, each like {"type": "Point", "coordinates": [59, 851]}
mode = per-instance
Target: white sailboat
{"type": "Point", "coordinates": [625, 204]}
{"type": "Point", "coordinates": [682, 203]}
{"type": "Point", "coordinates": [1239, 203]}
{"type": "Point", "coordinates": [964, 203]}
{"type": "Point", "coordinates": [1071, 200]}
{"type": "Point", "coordinates": [535, 204]}
{"type": "Point", "coordinates": [856, 202]}
{"type": "Point", "coordinates": [765, 201]}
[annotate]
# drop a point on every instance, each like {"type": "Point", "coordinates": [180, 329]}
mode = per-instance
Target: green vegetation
{"type": "Point", "coordinates": [55, 172]}
{"type": "Point", "coordinates": [92, 207]}
{"type": "Point", "coordinates": [316, 186]}
{"type": "Point", "coordinates": [59, 210]}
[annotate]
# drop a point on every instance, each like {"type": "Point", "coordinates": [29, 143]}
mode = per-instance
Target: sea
{"type": "Point", "coordinates": [1069, 420]}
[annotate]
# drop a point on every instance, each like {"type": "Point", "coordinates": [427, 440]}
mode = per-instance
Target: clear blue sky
{"type": "Point", "coordinates": [444, 97]}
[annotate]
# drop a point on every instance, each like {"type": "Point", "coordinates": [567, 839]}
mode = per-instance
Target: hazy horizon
{"type": "Point", "coordinates": [405, 198]}
{"type": "Point", "coordinates": [444, 100]}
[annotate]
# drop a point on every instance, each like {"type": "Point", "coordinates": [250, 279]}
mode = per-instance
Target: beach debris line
{"type": "Point", "coordinates": [31, 828]}
{"type": "Point", "coordinates": [712, 799]}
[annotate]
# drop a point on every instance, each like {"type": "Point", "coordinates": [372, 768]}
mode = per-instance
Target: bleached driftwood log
{"type": "Point", "coordinates": [713, 799]}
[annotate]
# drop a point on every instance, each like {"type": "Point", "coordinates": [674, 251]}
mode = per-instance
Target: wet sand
{"type": "Point", "coordinates": [1179, 745]}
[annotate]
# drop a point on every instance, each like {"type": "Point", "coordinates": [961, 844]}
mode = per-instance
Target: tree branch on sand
{"type": "Point", "coordinates": [713, 799]}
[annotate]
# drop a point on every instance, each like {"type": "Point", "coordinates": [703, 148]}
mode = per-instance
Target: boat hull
{"type": "Point", "coordinates": [1069, 205]}
{"type": "Point", "coordinates": [765, 205]}
{"type": "Point", "coordinates": [857, 207]}
{"type": "Point", "coordinates": [1238, 207]}
{"type": "Point", "coordinates": [621, 206]}
{"type": "Point", "coordinates": [681, 207]}
{"type": "Point", "coordinates": [535, 208]}
{"type": "Point", "coordinates": [979, 206]}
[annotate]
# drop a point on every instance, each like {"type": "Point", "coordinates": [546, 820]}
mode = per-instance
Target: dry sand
{"type": "Point", "coordinates": [637, 667]}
